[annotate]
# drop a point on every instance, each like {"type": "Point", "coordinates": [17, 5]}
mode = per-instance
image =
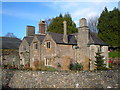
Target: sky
{"type": "Point", "coordinates": [15, 16]}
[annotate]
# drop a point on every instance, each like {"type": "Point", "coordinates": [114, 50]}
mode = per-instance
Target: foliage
{"type": "Point", "coordinates": [76, 66]}
{"type": "Point", "coordinates": [58, 65]}
{"type": "Point", "coordinates": [46, 68]}
{"type": "Point", "coordinates": [56, 25]}
{"type": "Point", "coordinates": [110, 64]}
{"type": "Point", "coordinates": [42, 66]}
{"type": "Point", "coordinates": [109, 27]}
{"type": "Point", "coordinates": [114, 54]}
{"type": "Point", "coordinates": [9, 51]}
{"type": "Point", "coordinates": [8, 66]}
{"type": "Point", "coordinates": [99, 61]}
{"type": "Point", "coordinates": [49, 68]}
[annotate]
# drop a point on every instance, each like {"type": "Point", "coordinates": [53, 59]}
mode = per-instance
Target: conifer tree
{"type": "Point", "coordinates": [57, 24]}
{"type": "Point", "coordinates": [108, 26]}
{"type": "Point", "coordinates": [99, 61]}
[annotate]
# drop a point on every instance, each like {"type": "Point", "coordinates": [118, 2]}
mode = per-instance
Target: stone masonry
{"type": "Point", "coordinates": [54, 48]}
{"type": "Point", "coordinates": [42, 79]}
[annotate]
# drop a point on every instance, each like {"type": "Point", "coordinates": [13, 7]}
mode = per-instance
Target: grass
{"type": "Point", "coordinates": [114, 54]}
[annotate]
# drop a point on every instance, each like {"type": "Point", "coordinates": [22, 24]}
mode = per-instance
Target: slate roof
{"type": "Point", "coordinates": [40, 37]}
{"type": "Point", "coordinates": [9, 43]}
{"type": "Point", "coordinates": [93, 39]}
{"type": "Point", "coordinates": [58, 38]}
{"type": "Point", "coordinates": [72, 38]}
{"type": "Point", "coordinates": [28, 39]}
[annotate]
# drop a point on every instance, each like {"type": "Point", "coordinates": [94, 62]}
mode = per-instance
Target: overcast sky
{"type": "Point", "coordinates": [16, 15]}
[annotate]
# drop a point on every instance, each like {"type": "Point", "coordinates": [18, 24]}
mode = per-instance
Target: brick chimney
{"type": "Point", "coordinates": [41, 27]}
{"type": "Point", "coordinates": [30, 30]}
{"type": "Point", "coordinates": [65, 37]}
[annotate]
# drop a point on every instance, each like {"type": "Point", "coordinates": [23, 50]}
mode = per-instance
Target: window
{"type": "Point", "coordinates": [35, 46]}
{"type": "Point", "coordinates": [101, 49]}
{"type": "Point", "coordinates": [48, 45]}
{"type": "Point", "coordinates": [48, 62]}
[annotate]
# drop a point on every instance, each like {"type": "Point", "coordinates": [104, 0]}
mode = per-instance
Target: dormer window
{"type": "Point", "coordinates": [48, 45]}
{"type": "Point", "coordinates": [35, 45]}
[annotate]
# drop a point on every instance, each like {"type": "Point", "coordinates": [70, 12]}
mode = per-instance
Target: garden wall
{"type": "Point", "coordinates": [44, 79]}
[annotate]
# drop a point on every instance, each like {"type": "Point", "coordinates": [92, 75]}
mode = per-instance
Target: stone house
{"type": "Point", "coordinates": [62, 49]}
{"type": "Point", "coordinates": [9, 51]}
{"type": "Point", "coordinates": [24, 50]}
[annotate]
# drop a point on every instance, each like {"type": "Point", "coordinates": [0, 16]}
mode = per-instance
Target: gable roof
{"type": "Point", "coordinates": [29, 39]}
{"type": "Point", "coordinates": [40, 37]}
{"type": "Point", "coordinates": [58, 38]}
{"type": "Point", "coordinates": [9, 43]}
{"type": "Point", "coordinates": [93, 39]}
{"type": "Point", "coordinates": [72, 38]}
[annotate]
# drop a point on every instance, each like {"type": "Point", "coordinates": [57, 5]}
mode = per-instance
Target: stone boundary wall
{"type": "Point", "coordinates": [0, 78]}
{"type": "Point", "coordinates": [44, 79]}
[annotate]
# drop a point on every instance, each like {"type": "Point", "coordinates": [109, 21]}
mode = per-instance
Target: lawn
{"type": "Point", "coordinates": [114, 54]}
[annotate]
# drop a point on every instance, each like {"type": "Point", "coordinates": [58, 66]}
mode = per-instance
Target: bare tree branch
{"type": "Point", "coordinates": [92, 24]}
{"type": "Point", "coordinates": [9, 34]}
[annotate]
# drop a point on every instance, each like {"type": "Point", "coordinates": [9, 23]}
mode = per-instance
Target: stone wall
{"type": "Point", "coordinates": [0, 78]}
{"type": "Point", "coordinates": [10, 57]}
{"type": "Point", "coordinates": [30, 30]}
{"type": "Point", "coordinates": [44, 79]}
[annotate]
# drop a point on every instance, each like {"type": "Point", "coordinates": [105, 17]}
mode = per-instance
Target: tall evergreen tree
{"type": "Point", "coordinates": [57, 24]}
{"type": "Point", "coordinates": [109, 27]}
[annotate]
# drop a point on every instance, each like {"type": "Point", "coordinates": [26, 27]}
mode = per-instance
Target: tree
{"type": "Point", "coordinates": [109, 27]}
{"type": "Point", "coordinates": [56, 24]}
{"type": "Point", "coordinates": [47, 22]}
{"type": "Point", "coordinates": [92, 24]}
{"type": "Point", "coordinates": [99, 61]}
{"type": "Point", "coordinates": [10, 35]}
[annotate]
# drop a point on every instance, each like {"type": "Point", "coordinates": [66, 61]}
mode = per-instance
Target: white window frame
{"type": "Point", "coordinates": [47, 62]}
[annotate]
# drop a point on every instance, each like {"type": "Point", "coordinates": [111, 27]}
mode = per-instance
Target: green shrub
{"type": "Point", "coordinates": [76, 66]}
{"type": "Point", "coordinates": [49, 68]}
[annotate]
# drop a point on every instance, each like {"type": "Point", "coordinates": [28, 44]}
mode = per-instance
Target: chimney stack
{"type": "Point", "coordinates": [41, 27]}
{"type": "Point", "coordinates": [83, 22]}
{"type": "Point", "coordinates": [30, 30]}
{"type": "Point", "coordinates": [65, 37]}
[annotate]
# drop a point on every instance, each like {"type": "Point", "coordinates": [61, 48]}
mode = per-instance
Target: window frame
{"type": "Point", "coordinates": [47, 61]}
{"type": "Point", "coordinates": [35, 45]}
{"type": "Point", "coordinates": [48, 44]}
